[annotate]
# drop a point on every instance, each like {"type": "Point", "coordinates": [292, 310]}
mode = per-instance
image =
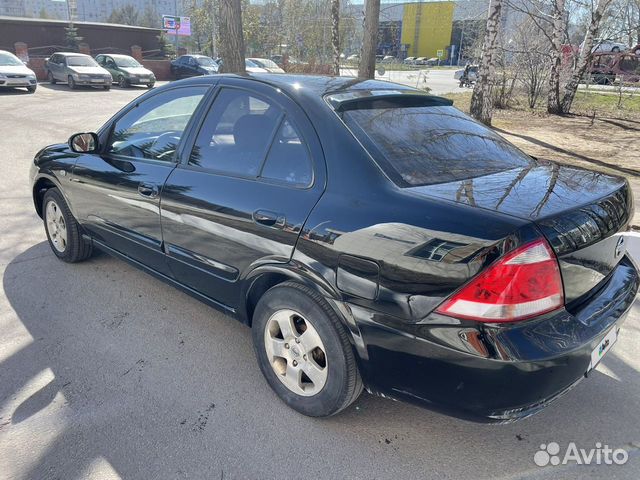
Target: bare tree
{"type": "Point", "coordinates": [481, 101]}
{"type": "Point", "coordinates": [367, 67]}
{"type": "Point", "coordinates": [585, 56]}
{"type": "Point", "coordinates": [231, 38]}
{"type": "Point", "coordinates": [558, 33]}
{"type": "Point", "coordinates": [335, 35]}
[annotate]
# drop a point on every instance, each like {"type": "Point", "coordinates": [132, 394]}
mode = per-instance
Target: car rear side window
{"type": "Point", "coordinates": [152, 129]}
{"type": "Point", "coordinates": [424, 145]}
{"type": "Point", "coordinates": [247, 135]}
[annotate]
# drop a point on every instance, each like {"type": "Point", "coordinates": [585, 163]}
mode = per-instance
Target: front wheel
{"type": "Point", "coordinates": [304, 352]}
{"type": "Point", "coordinates": [151, 85]}
{"type": "Point", "coordinates": [32, 89]}
{"type": "Point", "coordinates": [71, 82]}
{"type": "Point", "coordinates": [123, 82]}
{"type": "Point", "coordinates": [63, 232]}
{"type": "Point", "coordinates": [51, 78]}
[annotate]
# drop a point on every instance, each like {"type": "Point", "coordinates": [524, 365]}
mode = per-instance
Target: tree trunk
{"type": "Point", "coordinates": [335, 35]}
{"type": "Point", "coordinates": [367, 67]}
{"type": "Point", "coordinates": [553, 99]}
{"type": "Point", "coordinates": [231, 46]}
{"type": "Point", "coordinates": [481, 102]}
{"type": "Point", "coordinates": [585, 57]}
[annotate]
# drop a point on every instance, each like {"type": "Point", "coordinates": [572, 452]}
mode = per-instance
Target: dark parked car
{"type": "Point", "coordinates": [367, 232]}
{"type": "Point", "coordinates": [76, 69]}
{"type": "Point", "coordinates": [605, 68]}
{"type": "Point", "coordinates": [126, 70]}
{"type": "Point", "coordinates": [193, 66]}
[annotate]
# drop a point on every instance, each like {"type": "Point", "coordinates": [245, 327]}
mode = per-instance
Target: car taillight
{"type": "Point", "coordinates": [524, 283]}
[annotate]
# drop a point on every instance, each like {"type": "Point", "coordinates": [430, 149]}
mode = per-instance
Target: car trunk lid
{"type": "Point", "coordinates": [581, 213]}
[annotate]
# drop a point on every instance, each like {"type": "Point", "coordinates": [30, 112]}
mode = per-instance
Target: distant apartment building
{"type": "Point", "coordinates": [87, 10]}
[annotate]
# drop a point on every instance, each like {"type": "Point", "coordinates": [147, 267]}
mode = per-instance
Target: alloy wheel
{"type": "Point", "coordinates": [295, 352]}
{"type": "Point", "coordinates": [56, 226]}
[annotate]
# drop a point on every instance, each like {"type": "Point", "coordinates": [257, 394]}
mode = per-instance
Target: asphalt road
{"type": "Point", "coordinates": [107, 373]}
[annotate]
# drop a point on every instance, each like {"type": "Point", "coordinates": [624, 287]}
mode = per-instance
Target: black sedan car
{"type": "Point", "coordinates": [368, 233]}
{"type": "Point", "coordinates": [187, 66]}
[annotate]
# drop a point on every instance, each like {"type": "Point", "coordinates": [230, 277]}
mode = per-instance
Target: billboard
{"type": "Point", "coordinates": [180, 26]}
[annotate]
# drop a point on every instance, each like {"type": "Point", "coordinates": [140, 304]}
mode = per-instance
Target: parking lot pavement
{"type": "Point", "coordinates": [107, 373]}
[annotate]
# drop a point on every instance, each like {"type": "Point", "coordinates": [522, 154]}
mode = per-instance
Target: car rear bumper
{"type": "Point", "coordinates": [490, 373]}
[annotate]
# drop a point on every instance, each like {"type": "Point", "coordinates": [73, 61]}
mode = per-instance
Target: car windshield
{"type": "Point", "coordinates": [265, 62]}
{"type": "Point", "coordinates": [8, 59]}
{"type": "Point", "coordinates": [81, 62]}
{"type": "Point", "coordinates": [425, 145]}
{"type": "Point", "coordinates": [206, 61]}
{"type": "Point", "coordinates": [249, 63]}
{"type": "Point", "coordinates": [127, 62]}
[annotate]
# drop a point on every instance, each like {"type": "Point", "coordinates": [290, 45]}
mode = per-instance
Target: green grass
{"type": "Point", "coordinates": [585, 103]}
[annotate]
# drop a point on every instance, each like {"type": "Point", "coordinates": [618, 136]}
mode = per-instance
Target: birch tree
{"type": "Point", "coordinates": [585, 57]}
{"type": "Point", "coordinates": [335, 35]}
{"type": "Point", "coordinates": [557, 36]}
{"type": "Point", "coordinates": [481, 101]}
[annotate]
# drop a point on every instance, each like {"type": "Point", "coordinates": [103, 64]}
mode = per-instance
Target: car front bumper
{"type": "Point", "coordinates": [93, 82]}
{"type": "Point", "coordinates": [18, 82]}
{"type": "Point", "coordinates": [489, 373]}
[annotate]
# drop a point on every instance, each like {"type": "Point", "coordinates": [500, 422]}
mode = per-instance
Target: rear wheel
{"type": "Point", "coordinates": [304, 352]}
{"type": "Point", "coordinates": [615, 49]}
{"type": "Point", "coordinates": [63, 232]}
{"type": "Point", "coordinates": [71, 82]}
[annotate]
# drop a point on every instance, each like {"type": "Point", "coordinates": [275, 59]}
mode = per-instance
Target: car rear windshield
{"type": "Point", "coordinates": [127, 62]}
{"type": "Point", "coordinates": [425, 145]}
{"type": "Point", "coordinates": [81, 62]}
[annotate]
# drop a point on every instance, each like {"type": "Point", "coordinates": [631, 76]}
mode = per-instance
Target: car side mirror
{"type": "Point", "coordinates": [84, 142]}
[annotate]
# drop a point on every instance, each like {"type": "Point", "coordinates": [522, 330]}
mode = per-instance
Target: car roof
{"type": "Point", "coordinates": [312, 88]}
{"type": "Point", "coordinates": [116, 55]}
{"type": "Point", "coordinates": [71, 54]}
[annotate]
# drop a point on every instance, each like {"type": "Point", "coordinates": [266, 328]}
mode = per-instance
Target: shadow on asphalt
{"type": "Point", "coordinates": [87, 328]}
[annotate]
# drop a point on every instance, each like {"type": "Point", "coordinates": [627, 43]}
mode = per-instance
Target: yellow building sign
{"type": "Point", "coordinates": [426, 28]}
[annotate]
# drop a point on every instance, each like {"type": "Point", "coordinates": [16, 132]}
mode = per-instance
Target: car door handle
{"type": "Point", "coordinates": [148, 190]}
{"type": "Point", "coordinates": [268, 218]}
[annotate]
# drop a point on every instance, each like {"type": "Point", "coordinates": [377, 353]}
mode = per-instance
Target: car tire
{"type": "Point", "coordinates": [615, 49]}
{"type": "Point", "coordinates": [107, 87]}
{"type": "Point", "coordinates": [32, 89]}
{"type": "Point", "coordinates": [151, 85]}
{"type": "Point", "coordinates": [123, 82]}
{"type": "Point", "coordinates": [637, 52]}
{"type": "Point", "coordinates": [63, 232]}
{"type": "Point", "coordinates": [71, 82]}
{"type": "Point", "coordinates": [326, 379]}
{"type": "Point", "coordinates": [51, 78]}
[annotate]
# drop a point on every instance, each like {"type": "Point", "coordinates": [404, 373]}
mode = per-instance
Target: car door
{"type": "Point", "coordinates": [110, 65]}
{"type": "Point", "coordinates": [55, 66]}
{"type": "Point", "coordinates": [248, 179]}
{"type": "Point", "coordinates": [116, 194]}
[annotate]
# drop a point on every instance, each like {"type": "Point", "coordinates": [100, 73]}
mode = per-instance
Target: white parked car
{"type": "Point", "coordinates": [601, 45]}
{"type": "Point", "coordinates": [269, 65]}
{"type": "Point", "coordinates": [14, 73]}
{"type": "Point", "coordinates": [253, 67]}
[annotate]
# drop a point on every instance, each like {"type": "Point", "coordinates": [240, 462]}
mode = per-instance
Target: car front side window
{"type": "Point", "coordinates": [152, 129]}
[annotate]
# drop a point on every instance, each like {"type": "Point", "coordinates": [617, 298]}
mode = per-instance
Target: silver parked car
{"type": "Point", "coordinates": [14, 73]}
{"type": "Point", "coordinates": [76, 69]}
